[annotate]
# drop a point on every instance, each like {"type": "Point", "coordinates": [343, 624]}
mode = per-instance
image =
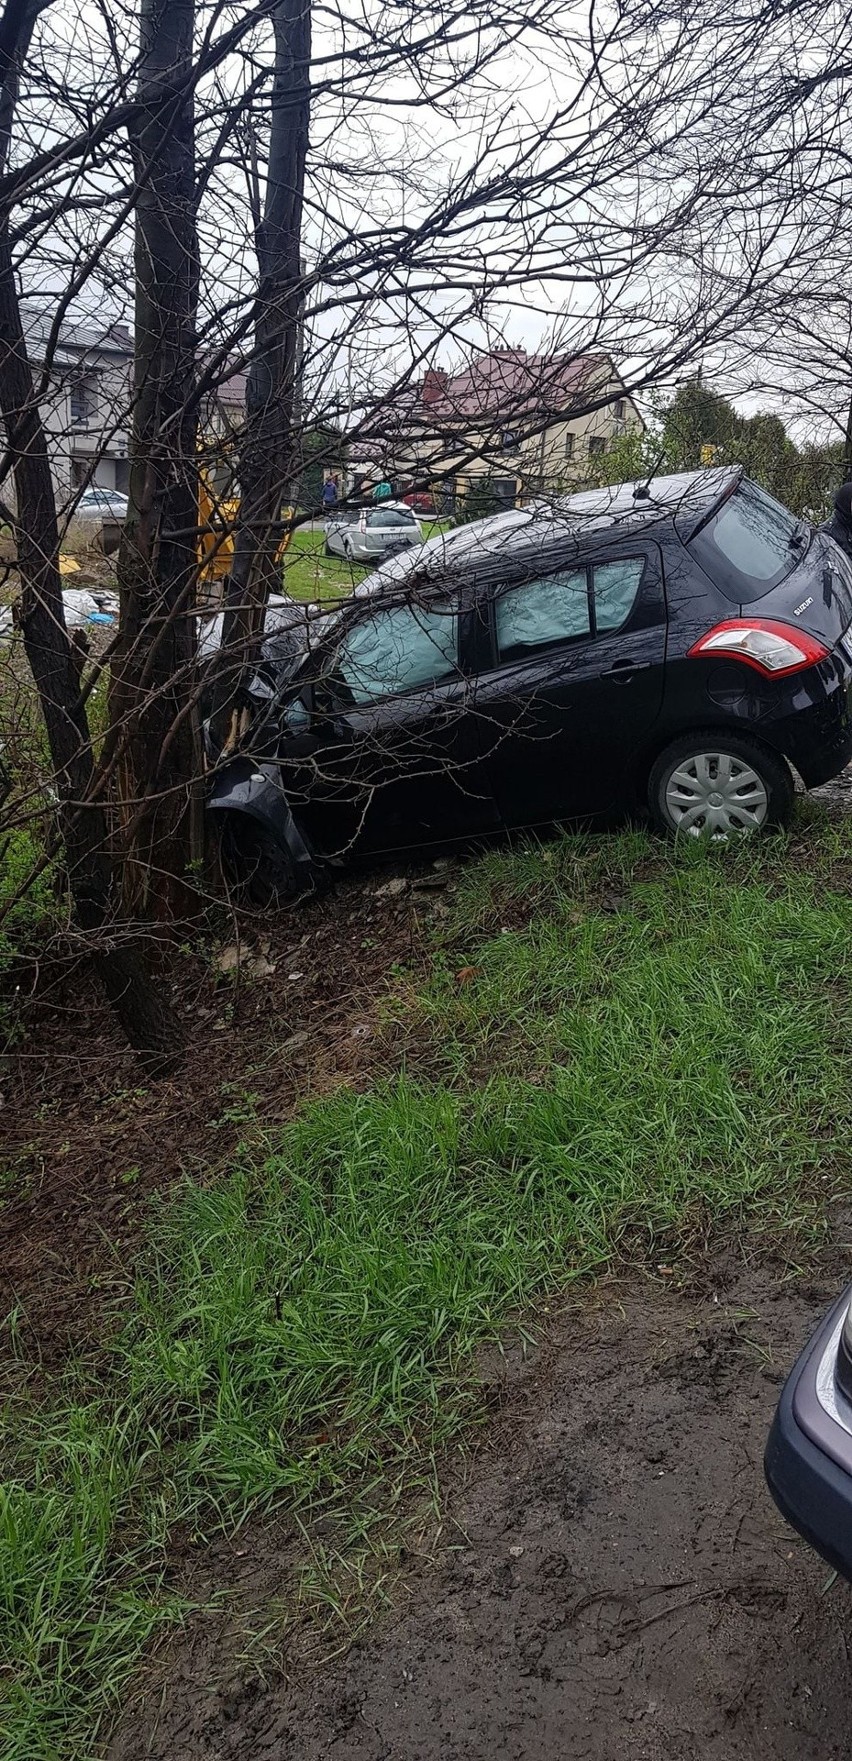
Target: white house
{"type": "Point", "coordinates": [84, 383]}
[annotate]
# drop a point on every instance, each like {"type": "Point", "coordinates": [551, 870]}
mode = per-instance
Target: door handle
{"type": "Point", "coordinates": [622, 671]}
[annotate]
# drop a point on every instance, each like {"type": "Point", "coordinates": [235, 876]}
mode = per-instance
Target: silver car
{"type": "Point", "coordinates": [368, 535]}
{"type": "Point", "coordinates": [97, 504]}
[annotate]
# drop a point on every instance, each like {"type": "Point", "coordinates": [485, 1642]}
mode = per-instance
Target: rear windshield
{"type": "Point", "coordinates": [391, 517]}
{"type": "Point", "coordinates": [746, 547]}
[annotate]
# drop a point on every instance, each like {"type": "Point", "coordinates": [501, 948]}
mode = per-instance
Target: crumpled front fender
{"type": "Point", "coordinates": [245, 786]}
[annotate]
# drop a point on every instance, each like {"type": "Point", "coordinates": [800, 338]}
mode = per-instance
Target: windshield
{"type": "Point", "coordinates": [750, 545]}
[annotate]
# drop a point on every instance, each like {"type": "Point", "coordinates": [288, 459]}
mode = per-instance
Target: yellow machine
{"type": "Point", "coordinates": [217, 519]}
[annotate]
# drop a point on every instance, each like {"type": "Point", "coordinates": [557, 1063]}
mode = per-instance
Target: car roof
{"type": "Point", "coordinates": [689, 496]}
{"type": "Point", "coordinates": [687, 493]}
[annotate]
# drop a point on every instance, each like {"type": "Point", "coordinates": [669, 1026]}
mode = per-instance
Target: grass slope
{"type": "Point", "coordinates": [617, 1037]}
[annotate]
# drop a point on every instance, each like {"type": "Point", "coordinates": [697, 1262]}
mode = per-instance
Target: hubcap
{"type": "Point", "coordinates": [715, 794]}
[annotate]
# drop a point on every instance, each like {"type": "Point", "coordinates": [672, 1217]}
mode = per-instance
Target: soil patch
{"type": "Point", "coordinates": [612, 1579]}
{"type": "Point", "coordinates": [86, 1143]}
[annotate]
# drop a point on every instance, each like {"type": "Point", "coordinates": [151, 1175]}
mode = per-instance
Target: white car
{"type": "Point", "coordinates": [96, 504]}
{"type": "Point", "coordinates": [368, 535]}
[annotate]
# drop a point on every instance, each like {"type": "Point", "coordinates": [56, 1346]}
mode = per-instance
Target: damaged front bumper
{"type": "Point", "coordinates": [246, 786]}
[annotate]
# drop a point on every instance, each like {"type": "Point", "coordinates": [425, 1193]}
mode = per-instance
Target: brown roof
{"type": "Point", "coordinates": [501, 388]}
{"type": "Point", "coordinates": [509, 382]}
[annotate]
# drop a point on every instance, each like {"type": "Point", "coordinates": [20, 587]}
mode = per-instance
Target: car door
{"type": "Point", "coordinates": [571, 682]}
{"type": "Point", "coordinates": [395, 762]}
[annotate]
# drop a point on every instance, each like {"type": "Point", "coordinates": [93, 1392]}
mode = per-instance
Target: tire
{"type": "Point", "coordinates": [257, 869]}
{"type": "Point", "coordinates": [753, 792]}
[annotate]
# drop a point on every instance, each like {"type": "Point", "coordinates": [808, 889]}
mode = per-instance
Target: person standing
{"type": "Point", "coordinates": [382, 491]}
{"type": "Point", "coordinates": [329, 495]}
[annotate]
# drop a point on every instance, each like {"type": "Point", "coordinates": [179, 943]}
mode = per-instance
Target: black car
{"type": "Point", "coordinates": [673, 647]}
{"type": "Point", "coordinates": [809, 1453]}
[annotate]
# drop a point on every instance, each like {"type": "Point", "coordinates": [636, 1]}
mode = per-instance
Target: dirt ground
{"type": "Point", "coordinates": [84, 1143]}
{"type": "Point", "coordinates": [612, 1584]}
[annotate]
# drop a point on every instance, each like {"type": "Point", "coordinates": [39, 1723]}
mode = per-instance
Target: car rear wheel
{"type": "Point", "coordinates": [717, 786]}
{"type": "Point", "coordinates": [258, 869]}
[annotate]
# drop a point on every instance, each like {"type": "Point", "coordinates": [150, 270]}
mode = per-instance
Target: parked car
{"type": "Point", "coordinates": [809, 1453]}
{"type": "Point", "coordinates": [367, 535]}
{"type": "Point", "coordinates": [672, 648]}
{"type": "Point", "coordinates": [422, 500]}
{"type": "Point", "coordinates": [96, 505]}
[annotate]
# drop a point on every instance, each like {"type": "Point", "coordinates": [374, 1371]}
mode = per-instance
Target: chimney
{"type": "Point", "coordinates": [434, 385]}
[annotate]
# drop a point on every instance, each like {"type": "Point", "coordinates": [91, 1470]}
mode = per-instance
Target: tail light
{"type": "Point", "coordinates": [770, 646]}
{"type": "Point", "coordinates": [362, 523]}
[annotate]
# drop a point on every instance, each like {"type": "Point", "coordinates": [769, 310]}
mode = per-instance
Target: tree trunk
{"type": "Point", "coordinates": [152, 674]}
{"type": "Point", "coordinates": [146, 1019]}
{"type": "Point", "coordinates": [267, 453]}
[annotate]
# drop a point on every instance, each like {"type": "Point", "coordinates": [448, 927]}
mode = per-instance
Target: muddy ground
{"type": "Point", "coordinates": [612, 1584]}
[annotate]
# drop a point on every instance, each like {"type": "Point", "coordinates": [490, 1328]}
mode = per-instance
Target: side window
{"type": "Point", "coordinates": [400, 648]}
{"type": "Point", "coordinates": [542, 614]}
{"type": "Point", "coordinates": [616, 587]}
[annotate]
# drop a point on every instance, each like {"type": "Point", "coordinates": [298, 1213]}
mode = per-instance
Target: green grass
{"type": "Point", "coordinates": [309, 574]}
{"type": "Point", "coordinates": [27, 923]}
{"type": "Point", "coordinates": [75, 1611]}
{"type": "Point", "coordinates": [619, 1043]}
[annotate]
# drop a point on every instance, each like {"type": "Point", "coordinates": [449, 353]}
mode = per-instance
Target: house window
{"type": "Point", "coordinates": [84, 400]}
{"type": "Point", "coordinates": [569, 445]}
{"type": "Point", "coordinates": [509, 440]}
{"type": "Point", "coordinates": [597, 445]}
{"type": "Point", "coordinates": [618, 409]}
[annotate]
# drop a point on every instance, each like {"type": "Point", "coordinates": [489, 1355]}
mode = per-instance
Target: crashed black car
{"type": "Point", "coordinates": [675, 648]}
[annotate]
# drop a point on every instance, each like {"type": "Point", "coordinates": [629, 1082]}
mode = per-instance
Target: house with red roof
{"type": "Point", "coordinates": [525, 424]}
